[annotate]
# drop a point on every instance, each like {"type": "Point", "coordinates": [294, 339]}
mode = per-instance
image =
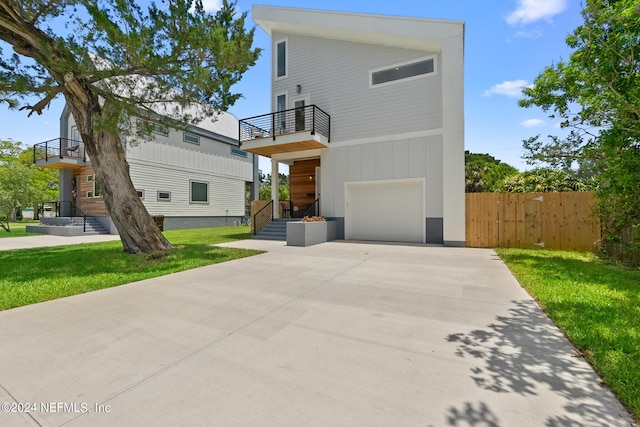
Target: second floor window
{"type": "Point", "coordinates": [190, 138]}
{"type": "Point", "coordinates": [281, 59]}
{"type": "Point", "coordinates": [75, 136]}
{"type": "Point", "coordinates": [403, 72]}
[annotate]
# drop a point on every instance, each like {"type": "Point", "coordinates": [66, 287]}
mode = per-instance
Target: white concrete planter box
{"type": "Point", "coordinates": [310, 233]}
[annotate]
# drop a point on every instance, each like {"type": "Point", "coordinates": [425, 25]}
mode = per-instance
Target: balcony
{"type": "Point", "coordinates": [59, 153]}
{"type": "Point", "coordinates": [288, 131]}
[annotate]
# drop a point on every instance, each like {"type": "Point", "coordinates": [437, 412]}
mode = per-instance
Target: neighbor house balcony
{"type": "Point", "coordinates": [59, 153]}
{"type": "Point", "coordinates": [288, 131]}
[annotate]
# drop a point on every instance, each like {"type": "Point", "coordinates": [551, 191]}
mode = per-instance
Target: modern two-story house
{"type": "Point", "coordinates": [194, 178]}
{"type": "Point", "coordinates": [367, 111]}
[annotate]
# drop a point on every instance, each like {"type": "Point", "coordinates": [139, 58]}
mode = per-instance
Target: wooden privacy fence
{"type": "Point", "coordinates": [563, 221]}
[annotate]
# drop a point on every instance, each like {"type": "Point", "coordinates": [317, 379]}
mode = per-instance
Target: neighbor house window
{"type": "Point", "coordinates": [164, 196]}
{"type": "Point", "coordinates": [199, 192]}
{"type": "Point", "coordinates": [405, 71]}
{"type": "Point", "coordinates": [75, 136]}
{"type": "Point", "coordinates": [155, 128]}
{"type": "Point", "coordinates": [191, 138]}
{"type": "Point", "coordinates": [238, 152]}
{"type": "Point", "coordinates": [140, 194]}
{"type": "Point", "coordinates": [281, 59]}
{"type": "Point", "coordinates": [95, 187]}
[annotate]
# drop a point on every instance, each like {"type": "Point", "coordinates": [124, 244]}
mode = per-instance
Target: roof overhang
{"type": "Point", "coordinates": [393, 31]}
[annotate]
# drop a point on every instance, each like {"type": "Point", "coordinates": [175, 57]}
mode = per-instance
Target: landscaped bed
{"type": "Point", "coordinates": [595, 303]}
{"type": "Point", "coordinates": [34, 275]}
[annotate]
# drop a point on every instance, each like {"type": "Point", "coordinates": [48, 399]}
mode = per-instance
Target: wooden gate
{"type": "Point", "coordinates": [563, 221]}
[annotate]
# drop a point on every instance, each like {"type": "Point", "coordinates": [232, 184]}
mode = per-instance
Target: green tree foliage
{"type": "Point", "coordinates": [265, 187]}
{"type": "Point", "coordinates": [483, 172]}
{"type": "Point", "coordinates": [543, 180]}
{"type": "Point", "coordinates": [21, 183]}
{"type": "Point", "coordinates": [171, 63]}
{"type": "Point", "coordinates": [571, 154]}
{"type": "Point", "coordinates": [597, 93]}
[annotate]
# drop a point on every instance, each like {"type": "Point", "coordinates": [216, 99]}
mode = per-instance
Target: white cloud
{"type": "Point", "coordinates": [531, 123]}
{"type": "Point", "coordinates": [528, 34]}
{"type": "Point", "coordinates": [512, 89]}
{"type": "Point", "coordinates": [534, 10]}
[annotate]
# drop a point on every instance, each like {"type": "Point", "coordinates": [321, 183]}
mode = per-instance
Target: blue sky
{"type": "Point", "coordinates": [507, 44]}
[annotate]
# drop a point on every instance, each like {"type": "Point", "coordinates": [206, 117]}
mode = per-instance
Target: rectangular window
{"type": "Point", "coordinates": [190, 138]}
{"type": "Point", "coordinates": [199, 192]}
{"type": "Point", "coordinates": [155, 128]}
{"type": "Point", "coordinates": [281, 59]}
{"type": "Point", "coordinates": [75, 136]}
{"type": "Point", "coordinates": [89, 194]}
{"type": "Point", "coordinates": [238, 152]}
{"type": "Point", "coordinates": [403, 71]}
{"type": "Point", "coordinates": [95, 187]}
{"type": "Point", "coordinates": [164, 196]}
{"type": "Point", "coordinates": [140, 194]}
{"type": "Point", "coordinates": [281, 105]}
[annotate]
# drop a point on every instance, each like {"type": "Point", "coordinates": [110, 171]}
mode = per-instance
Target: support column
{"type": "Point", "coordinates": [453, 140]}
{"type": "Point", "coordinates": [66, 194]}
{"type": "Point", "coordinates": [275, 184]}
{"type": "Point", "coordinates": [255, 186]}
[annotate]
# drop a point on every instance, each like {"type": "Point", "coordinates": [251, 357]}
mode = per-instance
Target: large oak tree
{"type": "Point", "coordinates": [113, 60]}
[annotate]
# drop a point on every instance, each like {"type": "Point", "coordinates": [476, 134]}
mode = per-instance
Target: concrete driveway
{"type": "Point", "coordinates": [338, 334]}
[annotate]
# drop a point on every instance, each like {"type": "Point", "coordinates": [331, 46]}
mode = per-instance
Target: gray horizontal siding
{"type": "Point", "coordinates": [226, 194]}
{"type": "Point", "coordinates": [336, 75]}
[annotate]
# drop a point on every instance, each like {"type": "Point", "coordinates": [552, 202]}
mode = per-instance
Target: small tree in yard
{"type": "Point", "coordinates": [597, 93]}
{"type": "Point", "coordinates": [117, 61]}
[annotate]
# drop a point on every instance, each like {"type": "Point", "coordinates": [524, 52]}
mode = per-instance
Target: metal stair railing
{"type": "Point", "coordinates": [263, 217]}
{"type": "Point", "coordinates": [314, 209]}
{"type": "Point", "coordinates": [71, 210]}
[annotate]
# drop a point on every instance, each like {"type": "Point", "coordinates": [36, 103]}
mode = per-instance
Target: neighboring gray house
{"type": "Point", "coordinates": [368, 112]}
{"type": "Point", "coordinates": [195, 178]}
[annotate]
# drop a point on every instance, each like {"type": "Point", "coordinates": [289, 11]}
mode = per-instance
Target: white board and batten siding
{"type": "Point", "coordinates": [336, 75]}
{"type": "Point", "coordinates": [403, 160]}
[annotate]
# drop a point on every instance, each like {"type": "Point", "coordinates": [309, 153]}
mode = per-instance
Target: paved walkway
{"type": "Point", "coordinates": [338, 334]}
{"type": "Point", "coordinates": [9, 243]}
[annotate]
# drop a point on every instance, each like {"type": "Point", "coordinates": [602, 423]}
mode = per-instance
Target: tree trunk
{"type": "Point", "coordinates": [138, 232]}
{"type": "Point", "coordinates": [13, 214]}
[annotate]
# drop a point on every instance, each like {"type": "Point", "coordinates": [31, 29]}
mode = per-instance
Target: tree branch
{"type": "Point", "coordinates": [45, 9]}
{"type": "Point", "coordinates": [42, 104]}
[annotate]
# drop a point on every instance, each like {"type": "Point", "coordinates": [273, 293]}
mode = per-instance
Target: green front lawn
{"type": "Point", "coordinates": [17, 229]}
{"type": "Point", "coordinates": [596, 304]}
{"type": "Point", "coordinates": [34, 275]}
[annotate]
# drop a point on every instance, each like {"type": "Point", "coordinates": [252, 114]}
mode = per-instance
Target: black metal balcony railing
{"type": "Point", "coordinates": [303, 119]}
{"type": "Point", "coordinates": [59, 148]}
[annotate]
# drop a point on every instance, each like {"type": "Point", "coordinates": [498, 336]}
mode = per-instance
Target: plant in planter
{"type": "Point", "coordinates": [313, 219]}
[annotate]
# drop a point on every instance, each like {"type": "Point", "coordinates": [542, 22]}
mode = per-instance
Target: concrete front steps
{"type": "Point", "coordinates": [275, 230]}
{"type": "Point", "coordinates": [93, 225]}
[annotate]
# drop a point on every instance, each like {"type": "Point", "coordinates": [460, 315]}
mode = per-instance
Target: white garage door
{"type": "Point", "coordinates": [391, 211]}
